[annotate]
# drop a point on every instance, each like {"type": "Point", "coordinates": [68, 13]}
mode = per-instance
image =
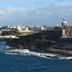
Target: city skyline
{"type": "Point", "coordinates": [35, 12]}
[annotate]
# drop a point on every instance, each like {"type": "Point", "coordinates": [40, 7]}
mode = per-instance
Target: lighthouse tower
{"type": "Point", "coordinates": [64, 24]}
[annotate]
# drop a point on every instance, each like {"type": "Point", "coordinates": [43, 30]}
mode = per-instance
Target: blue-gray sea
{"type": "Point", "coordinates": [28, 63]}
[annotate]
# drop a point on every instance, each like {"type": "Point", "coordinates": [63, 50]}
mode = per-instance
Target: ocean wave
{"type": "Point", "coordinates": [26, 52]}
{"type": "Point", "coordinates": [66, 58]}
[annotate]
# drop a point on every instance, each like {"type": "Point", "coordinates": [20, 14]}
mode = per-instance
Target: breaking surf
{"type": "Point", "coordinates": [27, 52]}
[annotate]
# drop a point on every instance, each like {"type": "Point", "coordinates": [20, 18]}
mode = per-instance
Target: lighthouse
{"type": "Point", "coordinates": [64, 24]}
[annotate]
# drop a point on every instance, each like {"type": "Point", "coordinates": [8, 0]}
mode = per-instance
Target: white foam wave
{"type": "Point", "coordinates": [26, 52]}
{"type": "Point", "coordinates": [66, 58]}
{"type": "Point", "coordinates": [10, 53]}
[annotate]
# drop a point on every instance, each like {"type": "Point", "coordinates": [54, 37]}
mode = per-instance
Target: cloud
{"type": "Point", "coordinates": [7, 10]}
{"type": "Point", "coordinates": [2, 12]}
{"type": "Point", "coordinates": [60, 0]}
{"type": "Point", "coordinates": [10, 9]}
{"type": "Point", "coordinates": [62, 3]}
{"type": "Point", "coordinates": [40, 11]}
{"type": "Point", "coordinates": [26, 12]}
{"type": "Point", "coordinates": [59, 7]}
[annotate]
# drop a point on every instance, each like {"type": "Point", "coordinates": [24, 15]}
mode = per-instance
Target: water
{"type": "Point", "coordinates": [29, 63]}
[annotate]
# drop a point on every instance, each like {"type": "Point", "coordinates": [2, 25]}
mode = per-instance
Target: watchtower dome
{"type": "Point", "coordinates": [64, 22]}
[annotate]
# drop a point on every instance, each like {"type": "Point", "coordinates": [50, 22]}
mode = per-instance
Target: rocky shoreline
{"type": "Point", "coordinates": [44, 41]}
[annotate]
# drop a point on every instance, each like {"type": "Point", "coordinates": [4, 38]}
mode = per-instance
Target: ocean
{"type": "Point", "coordinates": [29, 63]}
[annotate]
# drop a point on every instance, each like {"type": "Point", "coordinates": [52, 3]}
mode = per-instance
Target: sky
{"type": "Point", "coordinates": [35, 12]}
